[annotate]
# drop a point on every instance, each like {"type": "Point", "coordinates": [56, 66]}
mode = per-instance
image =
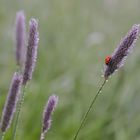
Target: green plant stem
{"type": "Point", "coordinates": [1, 135]}
{"type": "Point", "coordinates": [89, 109]}
{"type": "Point", "coordinates": [42, 137]}
{"type": "Point", "coordinates": [20, 103]}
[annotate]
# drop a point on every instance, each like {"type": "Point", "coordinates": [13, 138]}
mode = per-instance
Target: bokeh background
{"type": "Point", "coordinates": [75, 37]}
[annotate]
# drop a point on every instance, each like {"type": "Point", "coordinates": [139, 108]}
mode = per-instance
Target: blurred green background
{"type": "Point", "coordinates": [75, 37]}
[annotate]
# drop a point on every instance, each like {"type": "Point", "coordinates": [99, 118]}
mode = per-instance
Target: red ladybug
{"type": "Point", "coordinates": [107, 60]}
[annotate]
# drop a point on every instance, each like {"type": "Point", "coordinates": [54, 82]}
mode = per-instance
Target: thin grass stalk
{"type": "Point", "coordinates": [42, 137]}
{"type": "Point", "coordinates": [1, 135]}
{"type": "Point", "coordinates": [89, 109]}
{"type": "Point", "coordinates": [20, 103]}
{"type": "Point", "coordinates": [113, 63]}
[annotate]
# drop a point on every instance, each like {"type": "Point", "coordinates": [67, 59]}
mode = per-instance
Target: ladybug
{"type": "Point", "coordinates": [107, 60]}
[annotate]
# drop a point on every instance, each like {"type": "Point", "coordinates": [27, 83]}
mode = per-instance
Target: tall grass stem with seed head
{"type": "Point", "coordinates": [126, 45]}
{"type": "Point", "coordinates": [20, 38]}
{"type": "Point", "coordinates": [113, 63]}
{"type": "Point", "coordinates": [11, 103]}
{"type": "Point", "coordinates": [48, 110]}
{"type": "Point", "coordinates": [1, 135]}
{"type": "Point", "coordinates": [19, 107]}
{"type": "Point", "coordinates": [31, 55]}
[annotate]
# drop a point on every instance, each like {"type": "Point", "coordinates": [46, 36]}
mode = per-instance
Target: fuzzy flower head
{"type": "Point", "coordinates": [117, 59]}
{"type": "Point", "coordinates": [20, 38]}
{"type": "Point", "coordinates": [31, 53]}
{"type": "Point", "coordinates": [49, 109]}
{"type": "Point", "coordinates": [11, 102]}
{"type": "Point", "coordinates": [51, 105]}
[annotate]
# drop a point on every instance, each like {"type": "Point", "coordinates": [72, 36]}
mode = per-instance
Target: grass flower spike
{"type": "Point", "coordinates": [31, 53]}
{"type": "Point", "coordinates": [113, 63]}
{"type": "Point", "coordinates": [126, 45]}
{"type": "Point", "coordinates": [11, 102]}
{"type": "Point", "coordinates": [20, 38]}
{"type": "Point", "coordinates": [51, 105]}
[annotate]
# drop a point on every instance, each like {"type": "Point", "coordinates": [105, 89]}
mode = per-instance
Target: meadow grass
{"type": "Point", "coordinates": [75, 37]}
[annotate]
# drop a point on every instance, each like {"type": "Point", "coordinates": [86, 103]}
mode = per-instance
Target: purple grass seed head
{"type": "Point", "coordinates": [20, 38]}
{"type": "Point", "coordinates": [49, 108]}
{"type": "Point", "coordinates": [117, 59]}
{"type": "Point", "coordinates": [31, 53]}
{"type": "Point", "coordinates": [11, 102]}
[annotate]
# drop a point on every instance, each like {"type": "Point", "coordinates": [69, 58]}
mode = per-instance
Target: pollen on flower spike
{"type": "Point", "coordinates": [107, 60]}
